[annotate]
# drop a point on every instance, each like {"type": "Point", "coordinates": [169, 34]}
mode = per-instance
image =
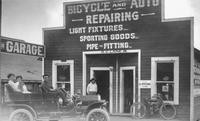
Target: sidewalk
{"type": "Point", "coordinates": [118, 118]}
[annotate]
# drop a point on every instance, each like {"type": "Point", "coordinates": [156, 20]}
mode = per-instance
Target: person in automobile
{"type": "Point", "coordinates": [92, 87]}
{"type": "Point", "coordinates": [12, 82]}
{"type": "Point", "coordinates": [21, 86]}
{"type": "Point", "coordinates": [47, 88]}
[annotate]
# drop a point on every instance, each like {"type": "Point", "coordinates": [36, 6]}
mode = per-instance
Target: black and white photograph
{"type": "Point", "coordinates": [99, 60]}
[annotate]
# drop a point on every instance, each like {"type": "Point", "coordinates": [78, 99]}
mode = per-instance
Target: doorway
{"type": "Point", "coordinates": [127, 88]}
{"type": "Point", "coordinates": [103, 76]}
{"type": "Point", "coordinates": [102, 80]}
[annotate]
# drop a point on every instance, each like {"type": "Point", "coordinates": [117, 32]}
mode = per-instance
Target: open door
{"type": "Point", "coordinates": [127, 88]}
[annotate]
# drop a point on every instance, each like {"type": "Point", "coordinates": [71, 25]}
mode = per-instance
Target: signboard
{"type": "Point", "coordinates": [109, 26]}
{"type": "Point", "coordinates": [145, 84]}
{"type": "Point", "coordinates": [165, 88]}
{"type": "Point", "coordinates": [18, 47]}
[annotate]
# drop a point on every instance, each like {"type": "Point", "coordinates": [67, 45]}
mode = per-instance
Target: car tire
{"type": "Point", "coordinates": [21, 115]}
{"type": "Point", "coordinates": [104, 116]}
{"type": "Point", "coordinates": [104, 108]}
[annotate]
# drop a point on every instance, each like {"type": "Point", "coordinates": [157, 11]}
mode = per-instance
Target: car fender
{"type": "Point", "coordinates": [29, 108]}
{"type": "Point", "coordinates": [95, 105]}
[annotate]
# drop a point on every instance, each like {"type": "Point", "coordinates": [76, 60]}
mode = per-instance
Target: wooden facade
{"type": "Point", "coordinates": [156, 37]}
{"type": "Point", "coordinates": [196, 84]}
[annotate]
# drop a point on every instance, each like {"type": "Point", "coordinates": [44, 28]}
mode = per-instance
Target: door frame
{"type": "Point", "coordinates": [110, 69]}
{"type": "Point", "coordinates": [121, 107]}
{"type": "Point", "coordinates": [84, 70]}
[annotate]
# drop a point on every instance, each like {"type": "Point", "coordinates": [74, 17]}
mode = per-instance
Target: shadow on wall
{"type": "Point", "coordinates": [27, 66]}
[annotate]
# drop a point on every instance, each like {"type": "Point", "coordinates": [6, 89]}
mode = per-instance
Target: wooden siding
{"type": "Point", "coordinates": [196, 108]}
{"type": "Point", "coordinates": [155, 40]}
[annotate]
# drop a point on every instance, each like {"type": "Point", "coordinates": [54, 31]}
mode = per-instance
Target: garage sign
{"type": "Point", "coordinates": [18, 47]}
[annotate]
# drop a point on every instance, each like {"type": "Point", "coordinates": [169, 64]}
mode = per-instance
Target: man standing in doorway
{"type": "Point", "coordinates": [92, 87]}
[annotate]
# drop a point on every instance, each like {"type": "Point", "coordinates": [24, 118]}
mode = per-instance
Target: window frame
{"type": "Point", "coordinates": [55, 63]}
{"type": "Point", "coordinates": [175, 60]}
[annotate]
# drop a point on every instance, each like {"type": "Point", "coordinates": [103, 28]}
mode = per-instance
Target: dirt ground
{"type": "Point", "coordinates": [118, 118]}
{"type": "Point", "coordinates": [112, 118]}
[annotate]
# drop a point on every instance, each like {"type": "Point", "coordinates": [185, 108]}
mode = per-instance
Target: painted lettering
{"type": "Point", "coordinates": [16, 47]}
{"type": "Point", "coordinates": [34, 50]}
{"type": "Point", "coordinates": [144, 3]}
{"type": "Point", "coordinates": [123, 36]}
{"type": "Point", "coordinates": [28, 49]}
{"type": "Point", "coordinates": [23, 48]}
{"type": "Point", "coordinates": [92, 47]}
{"type": "Point", "coordinates": [9, 46]}
{"type": "Point", "coordinates": [77, 30]}
{"type": "Point", "coordinates": [112, 17]}
{"type": "Point", "coordinates": [109, 28]}
{"type": "Point", "coordinates": [91, 38]}
{"type": "Point", "coordinates": [118, 45]}
{"type": "Point", "coordinates": [89, 7]}
{"type": "Point", "coordinates": [40, 52]}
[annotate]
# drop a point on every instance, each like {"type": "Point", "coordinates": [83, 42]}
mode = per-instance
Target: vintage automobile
{"type": "Point", "coordinates": [40, 105]}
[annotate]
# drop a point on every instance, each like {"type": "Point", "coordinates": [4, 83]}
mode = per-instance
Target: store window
{"type": "Point", "coordinates": [165, 78]}
{"type": "Point", "coordinates": [63, 75]}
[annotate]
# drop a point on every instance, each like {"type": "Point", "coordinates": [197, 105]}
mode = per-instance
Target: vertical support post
{"type": "Point", "coordinates": [117, 80]}
{"type": "Point", "coordinates": [192, 71]}
{"type": "Point", "coordinates": [84, 74]}
{"type": "Point", "coordinates": [139, 76]}
{"type": "Point", "coordinates": [0, 75]}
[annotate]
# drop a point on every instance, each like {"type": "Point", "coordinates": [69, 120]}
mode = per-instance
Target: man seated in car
{"type": "Point", "coordinates": [47, 88]}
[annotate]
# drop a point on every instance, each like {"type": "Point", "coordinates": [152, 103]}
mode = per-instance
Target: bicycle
{"type": "Point", "coordinates": [155, 105]}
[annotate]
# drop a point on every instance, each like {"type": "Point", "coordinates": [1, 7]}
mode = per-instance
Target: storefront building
{"type": "Point", "coordinates": [196, 84]}
{"type": "Point", "coordinates": [21, 58]}
{"type": "Point", "coordinates": [131, 50]}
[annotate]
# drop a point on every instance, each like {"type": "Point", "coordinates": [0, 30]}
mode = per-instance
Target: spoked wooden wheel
{"type": "Point", "coordinates": [21, 115]}
{"type": "Point", "coordinates": [167, 111]}
{"type": "Point", "coordinates": [97, 115]}
{"type": "Point", "coordinates": [138, 110]}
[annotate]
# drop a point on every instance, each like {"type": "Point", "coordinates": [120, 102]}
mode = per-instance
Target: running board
{"type": "Point", "coordinates": [120, 114]}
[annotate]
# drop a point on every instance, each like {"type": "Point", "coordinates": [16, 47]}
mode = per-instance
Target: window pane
{"type": "Point", "coordinates": [63, 73]}
{"type": "Point", "coordinates": [166, 90]}
{"type": "Point", "coordinates": [66, 86]}
{"type": "Point", "coordinates": [165, 71]}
